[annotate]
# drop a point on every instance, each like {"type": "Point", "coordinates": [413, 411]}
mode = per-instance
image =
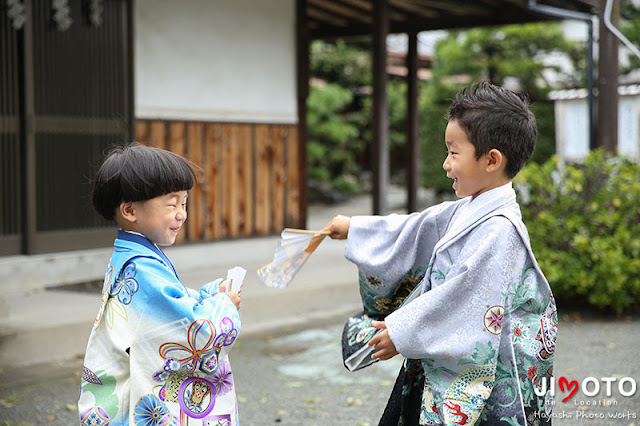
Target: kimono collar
{"type": "Point", "coordinates": [137, 238]}
{"type": "Point", "coordinates": [492, 198]}
{"type": "Point", "coordinates": [472, 211]}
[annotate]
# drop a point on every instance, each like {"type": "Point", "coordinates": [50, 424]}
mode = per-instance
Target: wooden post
{"type": "Point", "coordinates": [380, 116]}
{"type": "Point", "coordinates": [413, 143]}
{"type": "Point", "coordinates": [28, 133]}
{"type": "Point", "coordinates": [302, 58]}
{"type": "Point", "coordinates": [607, 127]}
{"type": "Point", "coordinates": [129, 64]}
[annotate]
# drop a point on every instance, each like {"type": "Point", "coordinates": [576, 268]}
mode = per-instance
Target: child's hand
{"type": "Point", "coordinates": [383, 342]}
{"type": "Point", "coordinates": [222, 287]}
{"type": "Point", "coordinates": [235, 298]}
{"type": "Point", "coordinates": [339, 227]}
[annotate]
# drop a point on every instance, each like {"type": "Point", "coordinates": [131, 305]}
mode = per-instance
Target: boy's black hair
{"type": "Point", "coordinates": [496, 118]}
{"type": "Point", "coordinates": [137, 173]}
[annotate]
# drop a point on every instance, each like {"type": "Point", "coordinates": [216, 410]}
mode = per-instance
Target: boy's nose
{"type": "Point", "coordinates": [182, 214]}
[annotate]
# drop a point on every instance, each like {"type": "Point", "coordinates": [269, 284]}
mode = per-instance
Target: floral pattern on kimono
{"type": "Point", "coordinates": [158, 351]}
{"type": "Point", "coordinates": [483, 328]}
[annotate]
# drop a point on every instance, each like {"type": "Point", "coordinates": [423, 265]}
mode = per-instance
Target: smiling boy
{"type": "Point", "coordinates": [480, 335]}
{"type": "Point", "coordinates": [159, 219]}
{"type": "Point", "coordinates": [158, 352]}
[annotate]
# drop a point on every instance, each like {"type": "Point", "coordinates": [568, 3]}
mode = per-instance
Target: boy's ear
{"type": "Point", "coordinates": [495, 160]}
{"type": "Point", "coordinates": [127, 211]}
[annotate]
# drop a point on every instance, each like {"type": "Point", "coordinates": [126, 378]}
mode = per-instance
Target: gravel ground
{"type": "Point", "coordinates": [297, 378]}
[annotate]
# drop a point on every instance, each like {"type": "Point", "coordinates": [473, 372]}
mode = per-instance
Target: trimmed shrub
{"type": "Point", "coordinates": [584, 220]}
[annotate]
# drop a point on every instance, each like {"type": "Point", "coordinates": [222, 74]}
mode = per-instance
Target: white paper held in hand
{"type": "Point", "coordinates": [236, 276]}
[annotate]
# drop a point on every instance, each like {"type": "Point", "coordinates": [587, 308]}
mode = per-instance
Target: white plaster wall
{"type": "Point", "coordinates": [572, 128]}
{"type": "Point", "coordinates": [216, 60]}
{"type": "Point", "coordinates": [628, 127]}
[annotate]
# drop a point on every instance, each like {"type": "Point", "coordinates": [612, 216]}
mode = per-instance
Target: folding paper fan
{"type": "Point", "coordinates": [293, 250]}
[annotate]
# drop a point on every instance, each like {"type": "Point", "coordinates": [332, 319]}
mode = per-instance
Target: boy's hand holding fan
{"type": "Point", "coordinates": [293, 250]}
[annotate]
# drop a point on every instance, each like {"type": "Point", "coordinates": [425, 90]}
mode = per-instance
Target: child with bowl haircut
{"type": "Point", "coordinates": [158, 350]}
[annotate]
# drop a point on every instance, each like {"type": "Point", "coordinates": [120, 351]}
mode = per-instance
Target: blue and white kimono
{"type": "Point", "coordinates": [479, 337]}
{"type": "Point", "coordinates": [158, 351]}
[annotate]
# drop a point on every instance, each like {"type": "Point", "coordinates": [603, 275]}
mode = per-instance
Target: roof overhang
{"type": "Point", "coordinates": [328, 19]}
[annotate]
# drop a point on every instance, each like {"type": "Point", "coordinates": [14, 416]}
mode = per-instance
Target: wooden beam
{"type": "Point", "coordinates": [607, 118]}
{"type": "Point", "coordinates": [130, 93]}
{"type": "Point", "coordinates": [456, 8]}
{"type": "Point", "coordinates": [74, 125]}
{"type": "Point", "coordinates": [362, 4]}
{"type": "Point", "coordinates": [297, 146]}
{"type": "Point", "coordinates": [29, 170]}
{"type": "Point", "coordinates": [380, 115]}
{"type": "Point", "coordinates": [279, 178]}
{"type": "Point", "coordinates": [367, 6]}
{"type": "Point", "coordinates": [326, 17]}
{"type": "Point", "coordinates": [413, 145]}
{"type": "Point", "coordinates": [339, 9]}
{"type": "Point", "coordinates": [413, 8]}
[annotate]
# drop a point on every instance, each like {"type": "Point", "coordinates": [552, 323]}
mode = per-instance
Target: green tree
{"type": "Point", "coordinates": [500, 54]}
{"type": "Point", "coordinates": [348, 65]}
{"type": "Point", "coordinates": [345, 64]}
{"type": "Point", "coordinates": [513, 53]}
{"type": "Point", "coordinates": [333, 144]}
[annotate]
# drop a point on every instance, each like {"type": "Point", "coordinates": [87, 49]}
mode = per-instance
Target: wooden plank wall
{"type": "Point", "coordinates": [250, 181]}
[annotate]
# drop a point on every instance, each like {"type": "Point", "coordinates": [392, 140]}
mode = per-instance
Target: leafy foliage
{"type": "Point", "coordinates": [494, 54]}
{"type": "Point", "coordinates": [333, 144]}
{"type": "Point", "coordinates": [434, 102]}
{"type": "Point", "coordinates": [345, 64]}
{"type": "Point", "coordinates": [511, 51]}
{"type": "Point", "coordinates": [499, 54]}
{"type": "Point", "coordinates": [583, 222]}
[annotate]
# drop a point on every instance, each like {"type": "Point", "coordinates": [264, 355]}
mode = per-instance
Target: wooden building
{"type": "Point", "coordinates": [223, 82]}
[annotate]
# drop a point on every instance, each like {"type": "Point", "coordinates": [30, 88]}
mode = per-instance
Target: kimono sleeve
{"type": "Point", "coordinates": [455, 328]}
{"type": "Point", "coordinates": [388, 248]}
{"type": "Point", "coordinates": [165, 299]}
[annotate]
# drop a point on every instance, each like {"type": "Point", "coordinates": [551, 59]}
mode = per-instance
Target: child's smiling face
{"type": "Point", "coordinates": [160, 218]}
{"type": "Point", "coordinates": [469, 174]}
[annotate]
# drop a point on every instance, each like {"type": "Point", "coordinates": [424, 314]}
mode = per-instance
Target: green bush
{"type": "Point", "coordinates": [583, 221]}
{"type": "Point", "coordinates": [333, 146]}
{"type": "Point", "coordinates": [546, 143]}
{"type": "Point", "coordinates": [434, 103]}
